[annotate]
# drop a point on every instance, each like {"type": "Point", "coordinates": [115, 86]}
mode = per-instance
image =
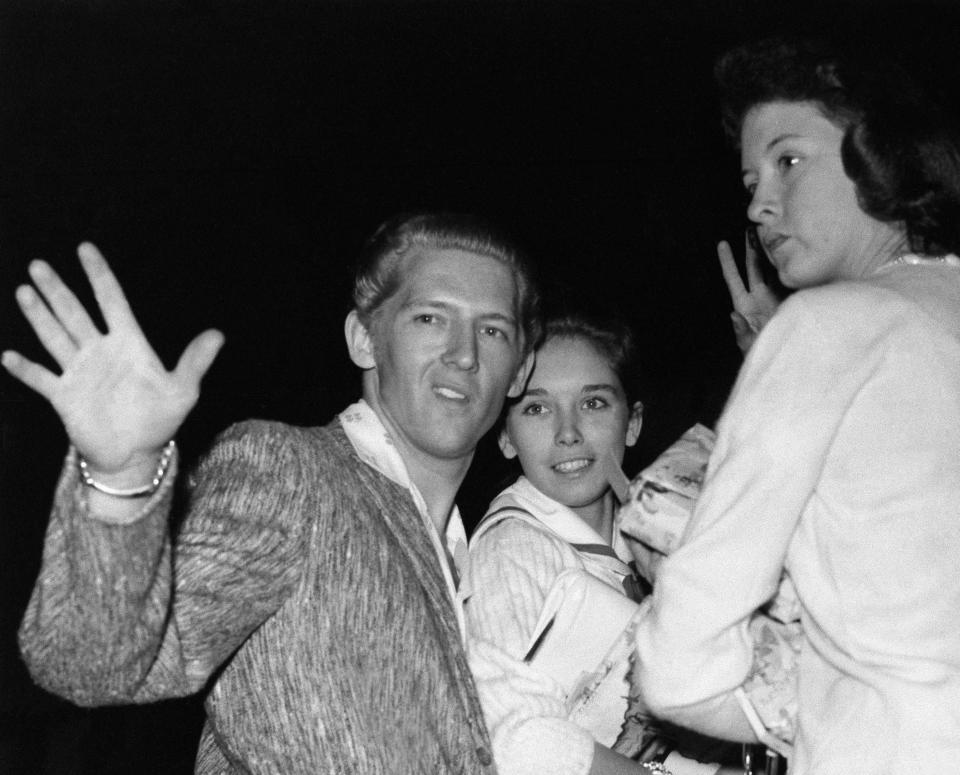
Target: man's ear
{"type": "Point", "coordinates": [523, 374]}
{"type": "Point", "coordinates": [506, 446]}
{"type": "Point", "coordinates": [359, 343]}
{"type": "Point", "coordinates": [634, 423]}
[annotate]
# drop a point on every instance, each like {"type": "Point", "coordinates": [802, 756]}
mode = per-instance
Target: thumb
{"type": "Point", "coordinates": [743, 332]}
{"type": "Point", "coordinates": [740, 325]}
{"type": "Point", "coordinates": [198, 356]}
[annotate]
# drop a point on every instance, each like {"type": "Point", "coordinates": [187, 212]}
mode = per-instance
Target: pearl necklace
{"type": "Point", "coordinates": [913, 259]}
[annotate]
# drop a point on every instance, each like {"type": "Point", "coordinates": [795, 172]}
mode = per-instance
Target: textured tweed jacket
{"type": "Point", "coordinates": [302, 590]}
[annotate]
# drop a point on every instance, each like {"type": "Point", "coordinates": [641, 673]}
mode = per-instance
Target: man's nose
{"type": "Point", "coordinates": [461, 347]}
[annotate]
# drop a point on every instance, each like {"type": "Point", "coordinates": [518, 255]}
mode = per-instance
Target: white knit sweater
{"type": "Point", "coordinates": [509, 573]}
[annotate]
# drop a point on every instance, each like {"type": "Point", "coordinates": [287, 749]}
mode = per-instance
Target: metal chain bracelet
{"type": "Point", "coordinates": [131, 492]}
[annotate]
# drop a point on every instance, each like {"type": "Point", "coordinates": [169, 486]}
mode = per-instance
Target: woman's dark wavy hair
{"type": "Point", "coordinates": [899, 148]}
{"type": "Point", "coordinates": [384, 256]}
{"type": "Point", "coordinates": [612, 338]}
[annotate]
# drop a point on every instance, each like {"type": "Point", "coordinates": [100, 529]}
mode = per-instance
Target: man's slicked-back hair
{"type": "Point", "coordinates": [385, 254]}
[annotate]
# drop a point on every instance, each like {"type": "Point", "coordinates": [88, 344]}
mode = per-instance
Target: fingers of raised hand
{"type": "Point", "coordinates": [66, 308]}
{"type": "Point", "coordinates": [30, 374]}
{"type": "Point", "coordinates": [107, 290]}
{"type": "Point", "coordinates": [47, 326]}
{"type": "Point", "coordinates": [198, 356]}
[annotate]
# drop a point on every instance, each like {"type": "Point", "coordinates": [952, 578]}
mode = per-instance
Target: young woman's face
{"type": "Point", "coordinates": [802, 201]}
{"type": "Point", "coordinates": [572, 415]}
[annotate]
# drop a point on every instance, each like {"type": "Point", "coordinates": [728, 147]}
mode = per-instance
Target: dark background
{"type": "Point", "coordinates": [229, 158]}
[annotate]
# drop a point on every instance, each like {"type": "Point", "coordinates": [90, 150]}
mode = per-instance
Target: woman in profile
{"type": "Point", "coordinates": [838, 454]}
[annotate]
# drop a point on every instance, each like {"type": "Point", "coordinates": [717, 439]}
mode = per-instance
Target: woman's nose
{"type": "Point", "coordinates": [764, 204]}
{"type": "Point", "coordinates": [568, 431]}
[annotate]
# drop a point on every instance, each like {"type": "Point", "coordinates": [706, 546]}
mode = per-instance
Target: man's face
{"type": "Point", "coordinates": [447, 346]}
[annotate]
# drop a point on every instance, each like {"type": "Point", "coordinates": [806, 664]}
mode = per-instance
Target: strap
{"type": "Point", "coordinates": [491, 520]}
{"type": "Point", "coordinates": [634, 585]}
{"type": "Point", "coordinates": [494, 518]}
{"type": "Point", "coordinates": [601, 549]}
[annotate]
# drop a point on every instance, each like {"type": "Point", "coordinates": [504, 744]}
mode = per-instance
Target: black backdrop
{"type": "Point", "coordinates": [229, 157]}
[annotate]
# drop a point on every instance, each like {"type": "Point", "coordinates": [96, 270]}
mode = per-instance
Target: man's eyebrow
{"type": "Point", "coordinates": [445, 305]}
{"type": "Point", "coordinates": [422, 302]}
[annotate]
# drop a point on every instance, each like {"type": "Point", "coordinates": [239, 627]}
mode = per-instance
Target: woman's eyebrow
{"type": "Point", "coordinates": [780, 138]}
{"type": "Point", "coordinates": [766, 149]}
{"type": "Point", "coordinates": [598, 386]}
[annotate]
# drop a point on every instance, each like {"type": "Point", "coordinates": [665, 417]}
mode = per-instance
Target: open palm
{"type": "Point", "coordinates": [118, 403]}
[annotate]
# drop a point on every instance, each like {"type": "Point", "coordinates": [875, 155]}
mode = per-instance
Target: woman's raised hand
{"type": "Point", "coordinates": [118, 403]}
{"type": "Point", "coordinates": [753, 303]}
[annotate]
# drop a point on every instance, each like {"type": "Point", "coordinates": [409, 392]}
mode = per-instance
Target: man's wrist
{"type": "Point", "coordinates": [157, 471]}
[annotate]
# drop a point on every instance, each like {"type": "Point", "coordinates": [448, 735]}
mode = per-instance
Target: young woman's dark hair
{"type": "Point", "coordinates": [612, 338]}
{"type": "Point", "coordinates": [899, 148]}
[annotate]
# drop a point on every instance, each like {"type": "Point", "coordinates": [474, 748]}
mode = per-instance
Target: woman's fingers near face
{"type": "Point", "coordinates": [731, 275]}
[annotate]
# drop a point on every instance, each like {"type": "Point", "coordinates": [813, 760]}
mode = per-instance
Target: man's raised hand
{"type": "Point", "coordinates": [118, 403]}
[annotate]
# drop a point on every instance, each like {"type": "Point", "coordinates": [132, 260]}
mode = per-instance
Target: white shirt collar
{"type": "Point", "coordinates": [559, 518]}
{"type": "Point", "coordinates": [375, 447]}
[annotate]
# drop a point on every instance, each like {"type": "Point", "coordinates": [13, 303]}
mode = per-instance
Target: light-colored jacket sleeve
{"type": "Point", "coordinates": [121, 614]}
{"type": "Point", "coordinates": [772, 441]}
{"type": "Point", "coordinates": [510, 571]}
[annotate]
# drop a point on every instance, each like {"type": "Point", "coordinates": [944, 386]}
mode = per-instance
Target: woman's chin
{"type": "Point", "coordinates": [794, 280]}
